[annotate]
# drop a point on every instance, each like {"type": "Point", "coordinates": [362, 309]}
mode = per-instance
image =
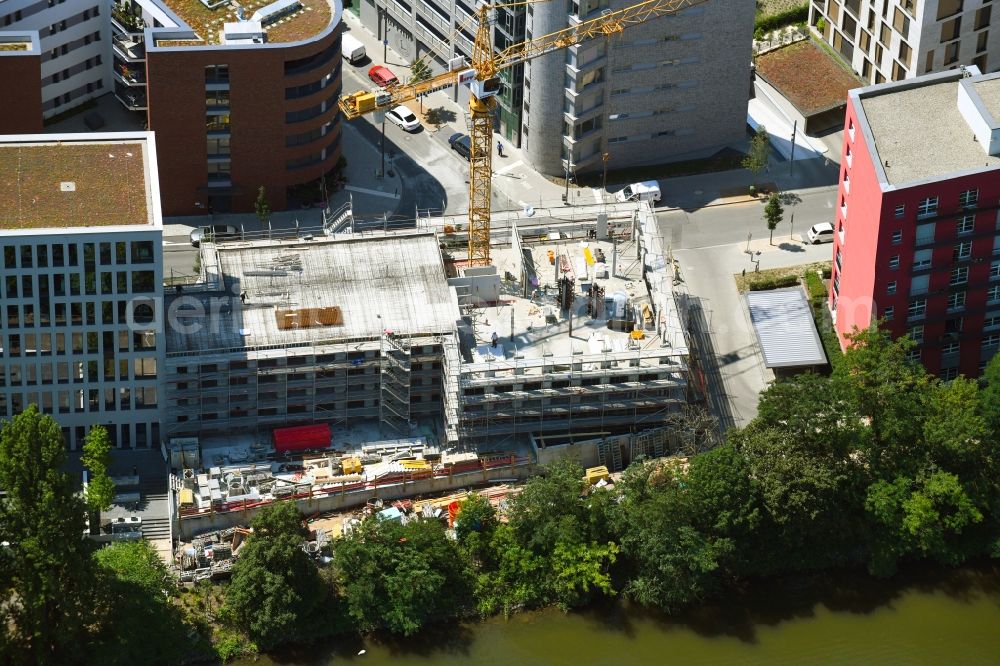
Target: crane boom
{"type": "Point", "coordinates": [482, 103]}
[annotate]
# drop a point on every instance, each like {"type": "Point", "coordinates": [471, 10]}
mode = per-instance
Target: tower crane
{"type": "Point", "coordinates": [481, 76]}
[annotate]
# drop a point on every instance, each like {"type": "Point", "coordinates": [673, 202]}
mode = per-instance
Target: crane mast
{"type": "Point", "coordinates": [484, 83]}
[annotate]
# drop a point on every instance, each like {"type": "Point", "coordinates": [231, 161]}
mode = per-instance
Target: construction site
{"type": "Point", "coordinates": [339, 369]}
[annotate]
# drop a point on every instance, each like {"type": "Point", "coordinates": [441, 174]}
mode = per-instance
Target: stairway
{"type": "Point", "coordinates": [155, 516]}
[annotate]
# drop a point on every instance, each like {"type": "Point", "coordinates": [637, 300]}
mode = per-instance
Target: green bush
{"type": "Point", "coordinates": [781, 19]}
{"type": "Point", "coordinates": [765, 283]}
{"type": "Point", "coordinates": [231, 646]}
{"type": "Point", "coordinates": [817, 290]}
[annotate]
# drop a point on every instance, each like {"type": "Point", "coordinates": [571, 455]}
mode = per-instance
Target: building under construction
{"type": "Point", "coordinates": [574, 332]}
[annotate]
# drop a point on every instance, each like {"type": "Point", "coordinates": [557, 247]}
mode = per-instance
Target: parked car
{"type": "Point", "coordinates": [214, 232]}
{"type": "Point", "coordinates": [352, 49]}
{"type": "Point", "coordinates": [820, 233]}
{"type": "Point", "coordinates": [382, 76]}
{"type": "Point", "coordinates": [403, 118]}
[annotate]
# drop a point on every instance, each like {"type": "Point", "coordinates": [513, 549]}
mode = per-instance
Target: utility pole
{"type": "Point", "coordinates": [791, 162]}
{"type": "Point", "coordinates": [382, 147]}
{"type": "Point", "coordinates": [604, 179]}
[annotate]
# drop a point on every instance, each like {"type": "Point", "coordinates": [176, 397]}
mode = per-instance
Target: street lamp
{"type": "Point", "coordinates": [568, 165]}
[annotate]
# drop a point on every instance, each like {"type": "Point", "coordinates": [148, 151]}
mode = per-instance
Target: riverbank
{"type": "Point", "coordinates": [924, 615]}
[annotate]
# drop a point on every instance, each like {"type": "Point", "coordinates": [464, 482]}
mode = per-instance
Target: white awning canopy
{"type": "Point", "coordinates": [785, 329]}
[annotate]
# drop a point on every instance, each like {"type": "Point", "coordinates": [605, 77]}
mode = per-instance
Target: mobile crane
{"type": "Point", "coordinates": [481, 76]}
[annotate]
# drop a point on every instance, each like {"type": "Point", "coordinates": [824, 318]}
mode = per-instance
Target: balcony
{"type": "Point", "coordinates": [131, 48]}
{"type": "Point", "coordinates": [130, 76]}
{"type": "Point", "coordinates": [126, 23]}
{"type": "Point", "coordinates": [133, 99]}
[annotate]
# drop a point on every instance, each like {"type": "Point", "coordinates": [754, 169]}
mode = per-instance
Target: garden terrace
{"type": "Point", "coordinates": [311, 18]}
{"type": "Point", "coordinates": [808, 76]}
{"type": "Point", "coordinates": [73, 184]}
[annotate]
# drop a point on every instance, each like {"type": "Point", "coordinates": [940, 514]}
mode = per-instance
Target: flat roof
{"type": "Point", "coordinates": [308, 20]}
{"type": "Point", "coordinates": [70, 181]}
{"type": "Point", "coordinates": [988, 89]}
{"type": "Point", "coordinates": [917, 130]}
{"type": "Point", "coordinates": [785, 328]}
{"type": "Point", "coordinates": [807, 76]}
{"type": "Point", "coordinates": [317, 291]}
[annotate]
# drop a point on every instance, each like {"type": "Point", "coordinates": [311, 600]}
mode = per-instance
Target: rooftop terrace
{"type": "Point", "coordinates": [307, 20]}
{"type": "Point", "coordinates": [919, 132]}
{"type": "Point", "coordinates": [46, 184]}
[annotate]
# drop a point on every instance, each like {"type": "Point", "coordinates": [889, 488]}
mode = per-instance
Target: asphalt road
{"type": "Point", "coordinates": [431, 175]}
{"type": "Point", "coordinates": [731, 223]}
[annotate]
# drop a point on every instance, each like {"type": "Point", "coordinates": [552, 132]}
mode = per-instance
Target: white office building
{"type": "Point", "coordinates": [75, 39]}
{"type": "Point", "coordinates": [81, 314]}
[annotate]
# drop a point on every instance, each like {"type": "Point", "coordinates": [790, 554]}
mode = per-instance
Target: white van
{"type": "Point", "coordinates": [648, 190]}
{"type": "Point", "coordinates": [353, 50]}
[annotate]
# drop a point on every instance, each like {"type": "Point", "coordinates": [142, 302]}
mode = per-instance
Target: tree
{"type": "Point", "coordinates": [549, 509]}
{"type": "Point", "coordinates": [756, 158]}
{"type": "Point", "coordinates": [884, 390]}
{"type": "Point", "coordinates": [420, 71]}
{"type": "Point", "coordinates": [139, 624]}
{"type": "Point", "coordinates": [97, 458]}
{"type": "Point", "coordinates": [401, 577]}
{"type": "Point", "coordinates": [773, 213]}
{"type": "Point", "coordinates": [45, 565]}
{"type": "Point", "coordinates": [989, 396]}
{"type": "Point", "coordinates": [923, 516]}
{"type": "Point", "coordinates": [276, 594]}
{"type": "Point", "coordinates": [262, 208]}
{"type": "Point", "coordinates": [477, 521]}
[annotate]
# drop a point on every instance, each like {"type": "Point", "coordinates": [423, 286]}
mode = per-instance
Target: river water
{"type": "Point", "coordinates": [924, 616]}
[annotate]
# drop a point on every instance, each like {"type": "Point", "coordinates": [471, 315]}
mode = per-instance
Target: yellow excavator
{"type": "Point", "coordinates": [481, 76]}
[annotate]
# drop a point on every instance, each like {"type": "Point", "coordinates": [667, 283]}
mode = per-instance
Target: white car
{"type": "Point", "coordinates": [820, 233]}
{"type": "Point", "coordinates": [403, 118]}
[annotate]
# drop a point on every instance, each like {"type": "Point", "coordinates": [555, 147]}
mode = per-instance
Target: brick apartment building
{"type": "Point", "coordinates": [917, 240]}
{"type": "Point", "coordinates": [240, 96]}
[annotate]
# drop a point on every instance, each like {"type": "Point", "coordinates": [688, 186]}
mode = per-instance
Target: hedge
{"type": "Point", "coordinates": [817, 290]}
{"type": "Point", "coordinates": [792, 16]}
{"type": "Point", "coordinates": [763, 284]}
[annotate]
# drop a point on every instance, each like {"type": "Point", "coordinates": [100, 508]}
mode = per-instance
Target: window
{"type": "Point", "coordinates": [894, 261]}
{"type": "Point", "coordinates": [922, 259]}
{"type": "Point", "coordinates": [925, 233]}
{"type": "Point", "coordinates": [993, 294]}
{"type": "Point", "coordinates": [916, 334]}
{"type": "Point", "coordinates": [991, 322]}
{"type": "Point", "coordinates": [890, 288]}
{"type": "Point", "coordinates": [962, 250]}
{"type": "Point", "coordinates": [836, 283]}
{"type": "Point", "coordinates": [927, 207]}
{"type": "Point", "coordinates": [991, 340]}
{"type": "Point", "coordinates": [913, 356]}
{"type": "Point", "coordinates": [959, 275]}
{"type": "Point", "coordinates": [956, 300]}
{"type": "Point", "coordinates": [948, 374]}
{"type": "Point", "coordinates": [897, 236]}
{"type": "Point", "coordinates": [950, 348]}
{"type": "Point", "coordinates": [917, 308]}
{"type": "Point", "coordinates": [968, 198]}
{"type": "Point", "coordinates": [994, 270]}
{"type": "Point", "coordinates": [966, 224]}
{"type": "Point", "coordinates": [889, 313]}
{"type": "Point", "coordinates": [839, 258]}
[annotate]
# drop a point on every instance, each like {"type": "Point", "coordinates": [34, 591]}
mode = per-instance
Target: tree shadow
{"type": "Point", "coordinates": [791, 247]}
{"type": "Point", "coordinates": [789, 199]}
{"type": "Point", "coordinates": [439, 115]}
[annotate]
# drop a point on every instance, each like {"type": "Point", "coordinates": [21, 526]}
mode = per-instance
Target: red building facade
{"type": "Point", "coordinates": [917, 242]}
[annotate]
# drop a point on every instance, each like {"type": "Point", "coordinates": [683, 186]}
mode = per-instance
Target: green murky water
{"type": "Point", "coordinates": [922, 617]}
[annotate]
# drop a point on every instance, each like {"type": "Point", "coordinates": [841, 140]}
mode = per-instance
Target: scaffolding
{"type": "Point", "coordinates": [394, 401]}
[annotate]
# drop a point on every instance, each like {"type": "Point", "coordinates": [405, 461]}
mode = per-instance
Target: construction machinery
{"type": "Point", "coordinates": [481, 76]}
